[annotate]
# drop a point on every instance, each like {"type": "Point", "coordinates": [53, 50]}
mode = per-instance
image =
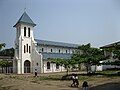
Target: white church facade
{"type": "Point", "coordinates": [31, 53]}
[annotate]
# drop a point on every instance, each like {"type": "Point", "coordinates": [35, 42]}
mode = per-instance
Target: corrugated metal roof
{"type": "Point", "coordinates": [56, 55]}
{"type": "Point", "coordinates": [53, 43]}
{"type": "Point", "coordinates": [25, 19]}
{"type": "Point", "coordinates": [110, 45]}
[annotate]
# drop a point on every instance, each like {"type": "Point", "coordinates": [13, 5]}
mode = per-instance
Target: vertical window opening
{"type": "Point", "coordinates": [28, 32]}
{"type": "Point", "coordinates": [57, 66]}
{"type": "Point", "coordinates": [27, 47]}
{"type": "Point", "coordinates": [51, 50]}
{"type": "Point", "coordinates": [59, 50]}
{"type": "Point", "coordinates": [24, 31]}
{"type": "Point", "coordinates": [42, 49]}
{"type": "Point", "coordinates": [48, 65]}
{"type": "Point", "coordinates": [66, 51]}
{"type": "Point", "coordinates": [24, 49]}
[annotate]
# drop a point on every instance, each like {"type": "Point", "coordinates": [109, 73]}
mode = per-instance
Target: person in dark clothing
{"type": "Point", "coordinates": [73, 80]}
{"type": "Point", "coordinates": [35, 72]}
{"type": "Point", "coordinates": [85, 86]}
{"type": "Point", "coordinates": [76, 80]}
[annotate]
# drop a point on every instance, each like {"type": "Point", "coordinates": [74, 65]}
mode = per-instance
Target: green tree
{"type": "Point", "coordinates": [5, 64]}
{"type": "Point", "coordinates": [2, 45]}
{"type": "Point", "coordinates": [115, 49]}
{"type": "Point", "coordinates": [7, 52]}
{"type": "Point", "coordinates": [88, 55]}
{"type": "Point", "coordinates": [67, 63]}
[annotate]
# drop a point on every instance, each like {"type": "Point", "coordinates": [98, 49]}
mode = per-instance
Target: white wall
{"type": "Point", "coordinates": [55, 49]}
{"type": "Point", "coordinates": [52, 67]}
{"type": "Point", "coordinates": [22, 40]}
{"type": "Point", "coordinates": [104, 67]}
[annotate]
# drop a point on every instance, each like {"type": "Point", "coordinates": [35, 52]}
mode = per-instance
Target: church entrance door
{"type": "Point", "coordinates": [27, 66]}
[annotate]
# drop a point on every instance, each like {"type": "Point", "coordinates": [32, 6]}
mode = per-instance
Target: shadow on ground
{"type": "Point", "coordinates": [108, 86]}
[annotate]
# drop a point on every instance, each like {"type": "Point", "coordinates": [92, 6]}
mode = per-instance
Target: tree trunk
{"type": "Point", "coordinates": [88, 68]}
{"type": "Point", "coordinates": [6, 69]}
{"type": "Point", "coordinates": [67, 71]}
{"type": "Point", "coordinates": [79, 67]}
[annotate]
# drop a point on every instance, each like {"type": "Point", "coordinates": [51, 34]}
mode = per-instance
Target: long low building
{"type": "Point", "coordinates": [110, 56]}
{"type": "Point", "coordinates": [51, 50]}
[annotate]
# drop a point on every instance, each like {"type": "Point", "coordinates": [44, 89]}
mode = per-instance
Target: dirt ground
{"type": "Point", "coordinates": [29, 82]}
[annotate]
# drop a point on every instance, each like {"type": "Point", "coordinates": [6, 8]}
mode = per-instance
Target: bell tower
{"type": "Point", "coordinates": [23, 45]}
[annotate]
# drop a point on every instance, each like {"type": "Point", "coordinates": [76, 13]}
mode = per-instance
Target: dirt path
{"type": "Point", "coordinates": [28, 82]}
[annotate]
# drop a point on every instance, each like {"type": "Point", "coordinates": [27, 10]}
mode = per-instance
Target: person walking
{"type": "Point", "coordinates": [76, 80]}
{"type": "Point", "coordinates": [73, 80]}
{"type": "Point", "coordinates": [35, 72]}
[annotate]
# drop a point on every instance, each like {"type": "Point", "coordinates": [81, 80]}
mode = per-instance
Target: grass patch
{"type": "Point", "coordinates": [51, 77]}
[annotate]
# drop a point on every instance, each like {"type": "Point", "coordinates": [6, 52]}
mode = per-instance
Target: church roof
{"type": "Point", "coordinates": [53, 43]}
{"type": "Point", "coordinates": [25, 19]}
{"type": "Point", "coordinates": [56, 55]}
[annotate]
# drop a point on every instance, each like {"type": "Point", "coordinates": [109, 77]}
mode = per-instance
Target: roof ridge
{"type": "Point", "coordinates": [55, 41]}
{"type": "Point", "coordinates": [25, 19]}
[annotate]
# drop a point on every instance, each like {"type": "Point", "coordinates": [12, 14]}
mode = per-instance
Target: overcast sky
{"type": "Point", "coordinates": [72, 21]}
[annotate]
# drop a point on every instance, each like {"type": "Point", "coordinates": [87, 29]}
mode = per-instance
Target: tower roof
{"type": "Point", "coordinates": [25, 19]}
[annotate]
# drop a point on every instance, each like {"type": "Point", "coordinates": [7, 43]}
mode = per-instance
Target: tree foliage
{"type": "Point", "coordinates": [5, 63]}
{"type": "Point", "coordinates": [67, 63]}
{"type": "Point", "coordinates": [88, 55]}
{"type": "Point", "coordinates": [2, 45]}
{"type": "Point", "coordinates": [115, 49]}
{"type": "Point", "coordinates": [7, 52]}
{"type": "Point", "coordinates": [83, 54]}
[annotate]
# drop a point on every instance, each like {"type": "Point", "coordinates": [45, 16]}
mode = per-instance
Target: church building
{"type": "Point", "coordinates": [31, 53]}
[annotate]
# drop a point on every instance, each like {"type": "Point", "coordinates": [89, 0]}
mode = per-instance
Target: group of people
{"type": "Point", "coordinates": [75, 82]}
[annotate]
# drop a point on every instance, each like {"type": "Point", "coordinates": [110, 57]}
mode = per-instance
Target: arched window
{"type": "Point", "coordinates": [42, 49]}
{"type": "Point", "coordinates": [48, 65]}
{"type": "Point", "coordinates": [51, 50]}
{"type": "Point", "coordinates": [57, 66]}
{"type": "Point", "coordinates": [66, 51]}
{"type": "Point", "coordinates": [59, 50]}
{"type": "Point", "coordinates": [27, 66]}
